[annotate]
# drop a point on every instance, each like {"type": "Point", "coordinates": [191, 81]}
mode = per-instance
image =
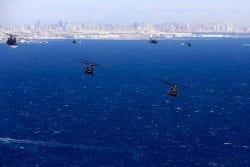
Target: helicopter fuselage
{"type": "Point", "coordinates": [173, 91]}
{"type": "Point", "coordinates": [11, 41]}
{"type": "Point", "coordinates": [90, 70]}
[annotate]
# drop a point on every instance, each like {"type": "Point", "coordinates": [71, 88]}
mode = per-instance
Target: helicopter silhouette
{"type": "Point", "coordinates": [11, 41]}
{"type": "Point", "coordinates": [174, 88]}
{"type": "Point", "coordinates": [90, 69]}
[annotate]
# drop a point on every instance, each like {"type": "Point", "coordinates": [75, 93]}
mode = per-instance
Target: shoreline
{"type": "Point", "coordinates": [45, 39]}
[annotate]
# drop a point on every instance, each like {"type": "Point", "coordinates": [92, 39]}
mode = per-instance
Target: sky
{"type": "Point", "coordinates": [18, 12]}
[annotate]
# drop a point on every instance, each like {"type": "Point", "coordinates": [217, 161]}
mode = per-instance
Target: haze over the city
{"type": "Point", "coordinates": [18, 12]}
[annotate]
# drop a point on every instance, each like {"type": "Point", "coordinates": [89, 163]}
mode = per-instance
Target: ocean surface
{"type": "Point", "coordinates": [52, 114]}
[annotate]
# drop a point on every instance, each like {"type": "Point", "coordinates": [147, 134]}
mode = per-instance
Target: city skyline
{"type": "Point", "coordinates": [120, 12]}
{"type": "Point", "coordinates": [136, 31]}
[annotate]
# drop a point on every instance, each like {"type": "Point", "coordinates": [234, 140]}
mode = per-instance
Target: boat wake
{"type": "Point", "coordinates": [14, 46]}
{"type": "Point", "coordinates": [11, 141]}
{"type": "Point", "coordinates": [40, 143]}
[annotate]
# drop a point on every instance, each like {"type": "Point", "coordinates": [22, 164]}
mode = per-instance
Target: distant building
{"type": "Point", "coordinates": [38, 24]}
{"type": "Point", "coordinates": [60, 24]}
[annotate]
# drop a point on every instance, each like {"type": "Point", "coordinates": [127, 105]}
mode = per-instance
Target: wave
{"type": "Point", "coordinates": [246, 44]}
{"type": "Point", "coordinates": [41, 143]}
{"type": "Point", "coordinates": [11, 141]}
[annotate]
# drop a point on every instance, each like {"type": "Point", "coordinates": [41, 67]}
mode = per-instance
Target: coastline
{"type": "Point", "coordinates": [133, 37]}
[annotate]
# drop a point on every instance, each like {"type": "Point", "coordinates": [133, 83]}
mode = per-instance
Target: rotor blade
{"type": "Point", "coordinates": [87, 62]}
{"type": "Point", "coordinates": [9, 34]}
{"type": "Point", "coordinates": [84, 62]}
{"type": "Point", "coordinates": [166, 82]}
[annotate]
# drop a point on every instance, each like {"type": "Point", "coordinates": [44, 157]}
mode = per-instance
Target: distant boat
{"type": "Point", "coordinates": [188, 44]}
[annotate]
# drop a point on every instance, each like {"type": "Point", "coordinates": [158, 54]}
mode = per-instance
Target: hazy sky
{"type": "Point", "coordinates": [125, 11]}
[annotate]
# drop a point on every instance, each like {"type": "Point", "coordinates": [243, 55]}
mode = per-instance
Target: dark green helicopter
{"type": "Point", "coordinates": [174, 89]}
{"type": "Point", "coordinates": [12, 40]}
{"type": "Point", "coordinates": [90, 69]}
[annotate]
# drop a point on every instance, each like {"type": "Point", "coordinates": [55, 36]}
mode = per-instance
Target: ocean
{"type": "Point", "coordinates": [53, 114]}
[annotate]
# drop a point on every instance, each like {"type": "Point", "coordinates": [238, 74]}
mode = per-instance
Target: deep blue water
{"type": "Point", "coordinates": [52, 114]}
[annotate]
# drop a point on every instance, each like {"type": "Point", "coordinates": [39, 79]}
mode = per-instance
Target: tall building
{"type": "Point", "coordinates": [38, 24]}
{"type": "Point", "coordinates": [60, 24]}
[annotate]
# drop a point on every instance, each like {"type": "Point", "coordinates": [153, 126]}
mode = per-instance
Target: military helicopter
{"type": "Point", "coordinates": [153, 41]}
{"type": "Point", "coordinates": [74, 41]}
{"type": "Point", "coordinates": [11, 41]}
{"type": "Point", "coordinates": [90, 69]}
{"type": "Point", "coordinates": [173, 90]}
